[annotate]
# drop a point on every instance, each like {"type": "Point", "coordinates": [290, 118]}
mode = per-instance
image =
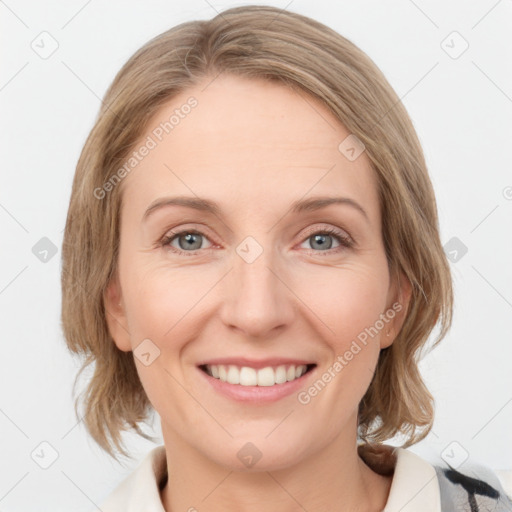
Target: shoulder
{"type": "Point", "coordinates": [140, 490]}
{"type": "Point", "coordinates": [419, 485]}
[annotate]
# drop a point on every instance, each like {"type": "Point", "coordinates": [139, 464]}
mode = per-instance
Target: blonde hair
{"type": "Point", "coordinates": [288, 48]}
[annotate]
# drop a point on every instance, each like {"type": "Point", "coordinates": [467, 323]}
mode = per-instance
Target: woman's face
{"type": "Point", "coordinates": [256, 282]}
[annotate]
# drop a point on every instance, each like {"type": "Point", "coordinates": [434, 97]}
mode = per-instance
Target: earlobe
{"type": "Point", "coordinates": [386, 338]}
{"type": "Point", "coordinates": [397, 309]}
{"type": "Point", "coordinates": [116, 316]}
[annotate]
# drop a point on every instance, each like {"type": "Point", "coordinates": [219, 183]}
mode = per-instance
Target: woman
{"type": "Point", "coordinates": [252, 250]}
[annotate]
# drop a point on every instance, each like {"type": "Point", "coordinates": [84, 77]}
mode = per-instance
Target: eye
{"type": "Point", "coordinates": [321, 240]}
{"type": "Point", "coordinates": [188, 240]}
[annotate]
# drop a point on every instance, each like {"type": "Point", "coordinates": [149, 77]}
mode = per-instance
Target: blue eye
{"type": "Point", "coordinates": [190, 241]}
{"type": "Point", "coordinates": [323, 240]}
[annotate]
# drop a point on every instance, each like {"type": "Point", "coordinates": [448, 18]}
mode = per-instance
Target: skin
{"type": "Point", "coordinates": [255, 147]}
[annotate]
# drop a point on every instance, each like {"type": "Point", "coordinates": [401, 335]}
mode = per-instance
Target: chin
{"type": "Point", "coordinates": [256, 453]}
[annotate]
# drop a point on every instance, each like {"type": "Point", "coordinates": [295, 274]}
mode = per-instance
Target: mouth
{"type": "Point", "coordinates": [267, 376]}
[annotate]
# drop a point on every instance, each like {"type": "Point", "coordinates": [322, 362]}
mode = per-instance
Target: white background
{"type": "Point", "coordinates": [461, 108]}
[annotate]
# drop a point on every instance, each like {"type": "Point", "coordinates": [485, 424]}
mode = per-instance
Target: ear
{"type": "Point", "coordinates": [398, 304]}
{"type": "Point", "coordinates": [116, 316]}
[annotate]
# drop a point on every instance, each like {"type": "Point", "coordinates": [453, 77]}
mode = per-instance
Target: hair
{"type": "Point", "coordinates": [259, 42]}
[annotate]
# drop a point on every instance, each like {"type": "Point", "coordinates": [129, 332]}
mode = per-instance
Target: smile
{"type": "Point", "coordinates": [248, 376]}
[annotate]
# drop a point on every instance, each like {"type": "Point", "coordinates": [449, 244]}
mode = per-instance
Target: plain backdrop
{"type": "Point", "coordinates": [449, 62]}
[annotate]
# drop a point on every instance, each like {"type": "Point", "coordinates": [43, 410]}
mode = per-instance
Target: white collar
{"type": "Point", "coordinates": [414, 487]}
{"type": "Point", "coordinates": [139, 490]}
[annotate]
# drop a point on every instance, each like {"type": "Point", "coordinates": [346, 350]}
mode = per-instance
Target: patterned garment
{"type": "Point", "coordinates": [479, 490]}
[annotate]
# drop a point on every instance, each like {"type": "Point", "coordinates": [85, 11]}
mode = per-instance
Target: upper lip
{"type": "Point", "coordinates": [255, 363]}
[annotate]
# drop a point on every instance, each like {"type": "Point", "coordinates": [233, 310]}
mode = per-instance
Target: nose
{"type": "Point", "coordinates": [257, 301]}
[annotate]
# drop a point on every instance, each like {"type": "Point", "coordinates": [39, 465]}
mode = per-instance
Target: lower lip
{"type": "Point", "coordinates": [257, 394]}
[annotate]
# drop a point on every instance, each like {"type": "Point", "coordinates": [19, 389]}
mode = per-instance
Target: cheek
{"type": "Point", "coordinates": [160, 307]}
{"type": "Point", "coordinates": [347, 300]}
{"type": "Point", "coordinates": [160, 300]}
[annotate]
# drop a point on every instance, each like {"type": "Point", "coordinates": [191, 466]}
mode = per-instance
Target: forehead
{"type": "Point", "coordinates": [247, 140]}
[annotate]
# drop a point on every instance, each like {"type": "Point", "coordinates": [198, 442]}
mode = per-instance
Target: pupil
{"type": "Point", "coordinates": [321, 239]}
{"type": "Point", "coordinates": [191, 238]}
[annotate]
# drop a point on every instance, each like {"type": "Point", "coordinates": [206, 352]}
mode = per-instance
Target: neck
{"type": "Point", "coordinates": [333, 479]}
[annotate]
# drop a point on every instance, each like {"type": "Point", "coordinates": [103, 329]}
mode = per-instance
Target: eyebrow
{"type": "Point", "coordinates": [206, 205]}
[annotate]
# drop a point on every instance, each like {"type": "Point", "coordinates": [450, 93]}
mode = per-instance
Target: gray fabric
{"type": "Point", "coordinates": [473, 489]}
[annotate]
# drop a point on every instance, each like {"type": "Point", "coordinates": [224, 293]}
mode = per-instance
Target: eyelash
{"type": "Point", "coordinates": [345, 241]}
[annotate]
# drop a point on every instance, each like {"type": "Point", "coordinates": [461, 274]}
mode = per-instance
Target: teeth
{"type": "Point", "coordinates": [246, 376]}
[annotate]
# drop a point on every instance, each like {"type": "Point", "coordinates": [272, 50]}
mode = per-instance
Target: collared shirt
{"type": "Point", "coordinates": [417, 486]}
